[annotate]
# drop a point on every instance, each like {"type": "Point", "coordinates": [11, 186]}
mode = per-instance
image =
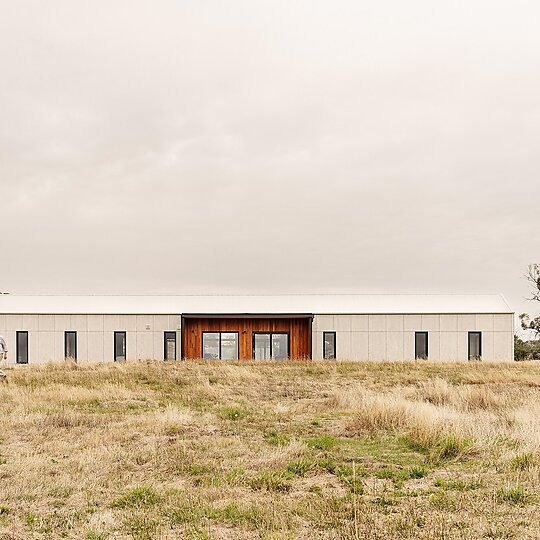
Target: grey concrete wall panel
{"type": "Point", "coordinates": [394, 323]}
{"type": "Point", "coordinates": [377, 346]}
{"type": "Point", "coordinates": [449, 345]}
{"type": "Point", "coordinates": [394, 346]}
{"type": "Point", "coordinates": [449, 323]}
{"type": "Point", "coordinates": [359, 323]}
{"type": "Point", "coordinates": [359, 346]}
{"type": "Point", "coordinates": [377, 323]}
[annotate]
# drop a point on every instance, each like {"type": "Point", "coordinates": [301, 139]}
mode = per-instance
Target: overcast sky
{"type": "Point", "coordinates": [267, 147]}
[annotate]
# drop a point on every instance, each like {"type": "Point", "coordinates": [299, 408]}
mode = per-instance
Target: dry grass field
{"type": "Point", "coordinates": [267, 450]}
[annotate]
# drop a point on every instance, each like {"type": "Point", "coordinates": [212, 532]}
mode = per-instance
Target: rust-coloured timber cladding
{"type": "Point", "coordinates": [299, 329]}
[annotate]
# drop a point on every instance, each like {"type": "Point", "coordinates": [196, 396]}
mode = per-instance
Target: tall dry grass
{"type": "Point", "coordinates": [270, 450]}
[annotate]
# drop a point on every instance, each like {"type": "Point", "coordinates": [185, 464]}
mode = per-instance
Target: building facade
{"type": "Point", "coordinates": [41, 329]}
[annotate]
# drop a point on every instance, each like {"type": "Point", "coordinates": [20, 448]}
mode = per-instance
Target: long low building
{"type": "Point", "coordinates": [41, 329]}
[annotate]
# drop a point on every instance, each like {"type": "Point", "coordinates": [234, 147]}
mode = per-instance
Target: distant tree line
{"type": "Point", "coordinates": [526, 350]}
{"type": "Point", "coordinates": [530, 349]}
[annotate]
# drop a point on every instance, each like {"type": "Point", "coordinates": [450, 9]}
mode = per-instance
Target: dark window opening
{"type": "Point", "coordinates": [475, 345]}
{"type": "Point", "coordinates": [22, 347]}
{"type": "Point", "coordinates": [170, 346]}
{"type": "Point", "coordinates": [421, 345]}
{"type": "Point", "coordinates": [119, 346]}
{"type": "Point", "coordinates": [70, 345]}
{"type": "Point", "coordinates": [329, 345]}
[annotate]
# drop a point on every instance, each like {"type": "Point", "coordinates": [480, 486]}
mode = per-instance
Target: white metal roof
{"type": "Point", "coordinates": [279, 304]}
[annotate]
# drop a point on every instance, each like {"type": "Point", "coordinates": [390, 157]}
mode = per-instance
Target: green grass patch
{"type": "Point", "coordinates": [232, 413]}
{"type": "Point", "coordinates": [185, 513]}
{"type": "Point", "coordinates": [415, 472]}
{"type": "Point", "coordinates": [96, 535]}
{"type": "Point", "coordinates": [142, 527]}
{"type": "Point", "coordinates": [443, 501]}
{"type": "Point", "coordinates": [350, 477]}
{"type": "Point", "coordinates": [277, 439]}
{"type": "Point", "coordinates": [30, 519]}
{"type": "Point", "coordinates": [137, 497]}
{"type": "Point", "coordinates": [328, 465]}
{"type": "Point", "coordinates": [523, 462]}
{"type": "Point", "coordinates": [457, 485]}
{"type": "Point", "coordinates": [384, 501]}
{"type": "Point", "coordinates": [353, 483]}
{"type": "Point", "coordinates": [237, 515]}
{"type": "Point", "coordinates": [387, 449]}
{"type": "Point", "coordinates": [399, 475]}
{"type": "Point", "coordinates": [272, 481]}
{"type": "Point", "coordinates": [513, 495]}
{"type": "Point", "coordinates": [447, 448]}
{"type": "Point", "coordinates": [323, 442]}
{"type": "Point", "coordinates": [197, 470]}
{"type": "Point", "coordinates": [386, 473]}
{"type": "Point", "coordinates": [300, 467]}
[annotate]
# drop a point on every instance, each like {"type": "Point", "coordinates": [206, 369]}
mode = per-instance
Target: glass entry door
{"type": "Point", "coordinates": [261, 346]}
{"type": "Point", "coordinates": [270, 346]}
{"type": "Point", "coordinates": [280, 347]}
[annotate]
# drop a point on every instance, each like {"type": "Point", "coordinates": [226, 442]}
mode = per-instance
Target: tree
{"type": "Point", "coordinates": [526, 350]}
{"type": "Point", "coordinates": [533, 276]}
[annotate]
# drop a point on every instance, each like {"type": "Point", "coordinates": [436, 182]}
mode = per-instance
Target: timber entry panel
{"type": "Point", "coordinates": [220, 333]}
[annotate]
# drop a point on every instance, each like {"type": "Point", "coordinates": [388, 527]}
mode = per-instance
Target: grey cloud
{"type": "Point", "coordinates": [269, 146]}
